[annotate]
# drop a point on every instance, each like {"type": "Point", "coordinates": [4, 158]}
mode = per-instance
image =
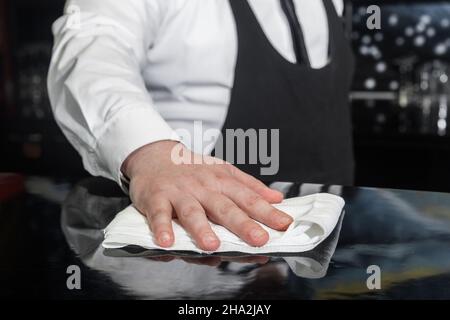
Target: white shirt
{"type": "Point", "coordinates": [133, 72]}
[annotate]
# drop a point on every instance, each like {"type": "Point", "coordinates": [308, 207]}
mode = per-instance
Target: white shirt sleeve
{"type": "Point", "coordinates": [97, 93]}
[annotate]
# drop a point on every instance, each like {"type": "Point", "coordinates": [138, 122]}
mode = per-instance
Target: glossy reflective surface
{"type": "Point", "coordinates": [405, 233]}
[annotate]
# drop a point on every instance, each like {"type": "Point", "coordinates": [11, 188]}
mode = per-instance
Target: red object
{"type": "Point", "coordinates": [11, 185]}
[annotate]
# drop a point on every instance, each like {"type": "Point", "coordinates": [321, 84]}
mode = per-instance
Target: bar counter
{"type": "Point", "coordinates": [402, 237]}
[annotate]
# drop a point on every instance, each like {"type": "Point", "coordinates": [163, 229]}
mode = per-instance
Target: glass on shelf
{"type": "Point", "coordinates": [433, 92]}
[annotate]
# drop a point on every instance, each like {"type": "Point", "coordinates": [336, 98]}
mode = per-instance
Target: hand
{"type": "Point", "coordinates": [161, 190]}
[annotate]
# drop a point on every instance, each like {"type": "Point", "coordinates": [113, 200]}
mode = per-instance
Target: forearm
{"type": "Point", "coordinates": [98, 96]}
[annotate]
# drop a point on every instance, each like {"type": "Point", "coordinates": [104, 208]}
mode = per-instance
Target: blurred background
{"type": "Point", "coordinates": [400, 95]}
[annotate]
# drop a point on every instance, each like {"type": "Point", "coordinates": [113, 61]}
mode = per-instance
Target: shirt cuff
{"type": "Point", "coordinates": [126, 132]}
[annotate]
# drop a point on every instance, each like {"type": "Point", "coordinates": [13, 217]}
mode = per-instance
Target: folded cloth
{"type": "Point", "coordinates": [315, 216]}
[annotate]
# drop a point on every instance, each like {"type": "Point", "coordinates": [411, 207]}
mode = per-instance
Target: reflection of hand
{"type": "Point", "coordinates": [213, 261]}
{"type": "Point", "coordinates": [161, 189]}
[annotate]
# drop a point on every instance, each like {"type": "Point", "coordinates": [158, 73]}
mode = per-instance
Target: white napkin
{"type": "Point", "coordinates": [315, 216]}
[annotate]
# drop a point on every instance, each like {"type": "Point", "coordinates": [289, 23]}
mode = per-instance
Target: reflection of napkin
{"type": "Point", "coordinates": [315, 217]}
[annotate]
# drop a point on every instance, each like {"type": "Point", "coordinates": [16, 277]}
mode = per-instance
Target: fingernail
{"type": "Point", "coordinates": [164, 237]}
{"type": "Point", "coordinates": [210, 239]}
{"type": "Point", "coordinates": [257, 234]}
{"type": "Point", "coordinates": [285, 220]}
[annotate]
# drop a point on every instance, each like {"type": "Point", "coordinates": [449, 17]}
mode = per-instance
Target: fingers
{"type": "Point", "coordinates": [272, 196]}
{"type": "Point", "coordinates": [159, 215]}
{"type": "Point", "coordinates": [255, 206]}
{"type": "Point", "coordinates": [223, 211]}
{"type": "Point", "coordinates": [193, 218]}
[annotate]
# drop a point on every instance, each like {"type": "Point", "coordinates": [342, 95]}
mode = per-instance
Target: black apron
{"type": "Point", "coordinates": [310, 107]}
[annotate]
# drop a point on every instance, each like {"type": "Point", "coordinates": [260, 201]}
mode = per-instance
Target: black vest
{"type": "Point", "coordinates": [310, 107]}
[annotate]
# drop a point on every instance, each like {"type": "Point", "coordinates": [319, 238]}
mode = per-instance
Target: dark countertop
{"type": "Point", "coordinates": [405, 233]}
